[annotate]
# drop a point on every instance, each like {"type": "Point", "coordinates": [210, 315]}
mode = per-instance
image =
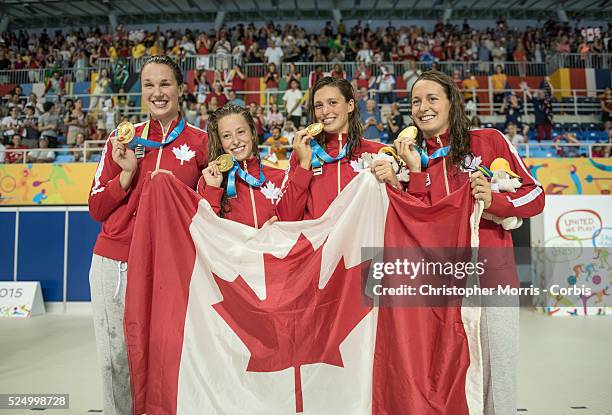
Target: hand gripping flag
{"type": "Point", "coordinates": [222, 318]}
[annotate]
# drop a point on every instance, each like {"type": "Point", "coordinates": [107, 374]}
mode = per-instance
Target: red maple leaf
{"type": "Point", "coordinates": [297, 323]}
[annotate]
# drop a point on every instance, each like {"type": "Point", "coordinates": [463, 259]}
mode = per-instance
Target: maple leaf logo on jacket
{"type": "Point", "coordinates": [270, 191]}
{"type": "Point", "coordinates": [314, 321]}
{"type": "Point", "coordinates": [183, 153]}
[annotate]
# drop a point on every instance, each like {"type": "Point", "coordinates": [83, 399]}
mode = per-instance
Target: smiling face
{"type": "Point", "coordinates": [236, 136]}
{"type": "Point", "coordinates": [161, 91]}
{"type": "Point", "coordinates": [430, 107]}
{"type": "Point", "coordinates": [332, 109]}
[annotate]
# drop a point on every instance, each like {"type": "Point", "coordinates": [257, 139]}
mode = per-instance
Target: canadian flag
{"type": "Point", "coordinates": [222, 318]}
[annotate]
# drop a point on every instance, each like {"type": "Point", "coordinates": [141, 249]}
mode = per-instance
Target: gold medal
{"type": "Point", "coordinates": [125, 132]}
{"type": "Point", "coordinates": [226, 162]}
{"type": "Point", "coordinates": [314, 129]}
{"type": "Point", "coordinates": [410, 132]}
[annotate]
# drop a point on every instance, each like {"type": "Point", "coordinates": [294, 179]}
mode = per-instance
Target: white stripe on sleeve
{"type": "Point", "coordinates": [98, 188]}
{"type": "Point", "coordinates": [523, 200]}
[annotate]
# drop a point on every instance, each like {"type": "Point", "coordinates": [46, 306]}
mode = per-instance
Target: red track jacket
{"type": "Point", "coordinates": [253, 206]}
{"type": "Point", "coordinates": [116, 208]}
{"type": "Point", "coordinates": [324, 188]}
{"type": "Point", "coordinates": [487, 145]}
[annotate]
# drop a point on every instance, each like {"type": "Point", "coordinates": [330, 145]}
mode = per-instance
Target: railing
{"type": "Point", "coordinates": [572, 105]}
{"type": "Point", "coordinates": [220, 62]}
{"type": "Point", "coordinates": [578, 60]}
{"type": "Point", "coordinates": [98, 104]}
{"type": "Point", "coordinates": [187, 63]}
{"type": "Point", "coordinates": [545, 150]}
{"type": "Point", "coordinates": [398, 68]}
{"type": "Point", "coordinates": [555, 150]}
{"type": "Point", "coordinates": [579, 101]}
{"type": "Point", "coordinates": [31, 76]}
{"type": "Point", "coordinates": [223, 61]}
{"type": "Point", "coordinates": [81, 154]}
{"type": "Point", "coordinates": [269, 98]}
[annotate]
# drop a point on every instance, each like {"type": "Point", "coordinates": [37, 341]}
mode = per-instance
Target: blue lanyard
{"type": "Point", "coordinates": [319, 154]}
{"type": "Point", "coordinates": [441, 152]}
{"type": "Point", "coordinates": [245, 176]}
{"type": "Point", "coordinates": [154, 144]}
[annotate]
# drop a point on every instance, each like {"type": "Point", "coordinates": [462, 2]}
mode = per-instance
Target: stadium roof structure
{"type": "Point", "coordinates": [67, 13]}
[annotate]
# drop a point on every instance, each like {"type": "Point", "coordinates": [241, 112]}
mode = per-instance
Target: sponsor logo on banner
{"type": "Point", "coordinates": [578, 224]}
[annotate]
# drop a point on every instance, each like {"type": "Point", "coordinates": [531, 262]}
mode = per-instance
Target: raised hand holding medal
{"type": "Point", "coordinates": [301, 144]}
{"type": "Point", "coordinates": [213, 174]}
{"type": "Point", "coordinates": [315, 129]}
{"type": "Point", "coordinates": [121, 154]}
{"type": "Point", "coordinates": [225, 162]}
{"type": "Point", "coordinates": [125, 132]}
{"type": "Point", "coordinates": [406, 147]}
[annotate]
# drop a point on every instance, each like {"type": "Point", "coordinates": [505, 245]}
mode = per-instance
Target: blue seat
{"type": "Point", "coordinates": [598, 136]}
{"type": "Point", "coordinates": [539, 152]}
{"type": "Point", "coordinates": [582, 135]}
{"type": "Point", "coordinates": [64, 158]}
{"type": "Point", "coordinates": [567, 126]}
{"type": "Point", "coordinates": [95, 157]}
{"type": "Point", "coordinates": [595, 127]}
{"type": "Point", "coordinates": [65, 149]}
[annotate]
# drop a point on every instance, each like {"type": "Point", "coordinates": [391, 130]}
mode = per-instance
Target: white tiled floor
{"type": "Point", "coordinates": [564, 363]}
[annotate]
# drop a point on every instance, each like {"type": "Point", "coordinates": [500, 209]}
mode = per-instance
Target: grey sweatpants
{"type": "Point", "coordinates": [500, 346]}
{"type": "Point", "coordinates": [107, 279]}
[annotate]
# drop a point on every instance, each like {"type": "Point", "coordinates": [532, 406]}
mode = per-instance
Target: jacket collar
{"type": "Point", "coordinates": [253, 166]}
{"type": "Point", "coordinates": [156, 131]}
{"type": "Point", "coordinates": [332, 140]}
{"type": "Point", "coordinates": [433, 144]}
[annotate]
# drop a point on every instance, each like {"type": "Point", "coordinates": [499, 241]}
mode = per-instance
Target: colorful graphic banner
{"type": "Point", "coordinates": [573, 176]}
{"type": "Point", "coordinates": [69, 184]}
{"type": "Point", "coordinates": [573, 240]}
{"type": "Point", "coordinates": [45, 184]}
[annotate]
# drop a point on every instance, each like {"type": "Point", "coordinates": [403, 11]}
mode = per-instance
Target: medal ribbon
{"type": "Point", "coordinates": [245, 176]}
{"type": "Point", "coordinates": [441, 152]}
{"type": "Point", "coordinates": [320, 155]}
{"type": "Point", "coordinates": [154, 144]}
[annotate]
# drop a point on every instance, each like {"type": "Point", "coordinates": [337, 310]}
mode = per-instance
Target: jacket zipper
{"type": "Point", "coordinates": [159, 153]}
{"type": "Point", "coordinates": [339, 161]}
{"type": "Point", "coordinates": [252, 199]}
{"type": "Point", "coordinates": [444, 167]}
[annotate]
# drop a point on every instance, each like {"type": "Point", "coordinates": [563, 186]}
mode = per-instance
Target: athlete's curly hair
{"type": "Point", "coordinates": [215, 148]}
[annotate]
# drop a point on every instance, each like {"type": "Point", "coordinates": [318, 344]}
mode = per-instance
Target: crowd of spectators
{"type": "Point", "coordinates": [30, 122]}
{"type": "Point", "coordinates": [53, 119]}
{"type": "Point", "coordinates": [270, 43]}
